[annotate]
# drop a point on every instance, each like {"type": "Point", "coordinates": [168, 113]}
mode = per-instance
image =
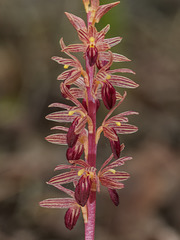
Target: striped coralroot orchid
{"type": "Point", "coordinates": [85, 88]}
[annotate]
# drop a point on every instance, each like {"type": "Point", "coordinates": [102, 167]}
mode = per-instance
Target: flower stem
{"type": "Point", "coordinates": [91, 204]}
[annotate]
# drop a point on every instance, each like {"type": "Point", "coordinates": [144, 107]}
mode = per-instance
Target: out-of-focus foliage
{"type": "Point", "coordinates": [149, 205]}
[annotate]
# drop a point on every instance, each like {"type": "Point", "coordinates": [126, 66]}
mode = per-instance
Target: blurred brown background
{"type": "Point", "coordinates": [150, 203]}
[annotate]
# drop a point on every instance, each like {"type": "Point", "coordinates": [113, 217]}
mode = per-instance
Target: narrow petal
{"type": "Point", "coordinates": [75, 48]}
{"type": "Point", "coordinates": [58, 138]}
{"type": "Point", "coordinates": [110, 133]}
{"type": "Point", "coordinates": [80, 125]}
{"type": "Point", "coordinates": [121, 70]}
{"type": "Point", "coordinates": [71, 217]}
{"type": "Point", "coordinates": [103, 9]}
{"type": "Point", "coordinates": [64, 75]}
{"type": "Point", "coordinates": [120, 58]}
{"type": "Point", "coordinates": [125, 129]}
{"type": "Point", "coordinates": [77, 93]}
{"type": "Point", "coordinates": [114, 196]}
{"type": "Point", "coordinates": [106, 162]}
{"type": "Point", "coordinates": [83, 36]}
{"type": "Point", "coordinates": [109, 183]}
{"type": "Point", "coordinates": [61, 105]}
{"type": "Point", "coordinates": [62, 116]}
{"type": "Point", "coordinates": [57, 203]}
{"type": "Point", "coordinates": [119, 162]}
{"type": "Point", "coordinates": [77, 22]}
{"type": "Point", "coordinates": [64, 178]}
{"type": "Point", "coordinates": [64, 61]}
{"type": "Point", "coordinates": [117, 176]}
{"type": "Point", "coordinates": [65, 129]}
{"type": "Point", "coordinates": [121, 81]}
{"type": "Point", "coordinates": [113, 41]}
{"type": "Point", "coordinates": [119, 117]}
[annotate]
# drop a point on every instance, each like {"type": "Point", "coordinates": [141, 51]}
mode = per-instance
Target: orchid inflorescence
{"type": "Point", "coordinates": [85, 88]}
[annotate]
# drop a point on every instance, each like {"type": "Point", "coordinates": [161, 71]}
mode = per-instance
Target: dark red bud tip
{"type": "Point", "coordinates": [75, 152]}
{"type": "Point", "coordinates": [92, 54]}
{"type": "Point", "coordinates": [115, 147]}
{"type": "Point", "coordinates": [71, 217]}
{"type": "Point", "coordinates": [108, 93]}
{"type": "Point", "coordinates": [71, 136]}
{"type": "Point", "coordinates": [82, 190]}
{"type": "Point", "coordinates": [114, 196]}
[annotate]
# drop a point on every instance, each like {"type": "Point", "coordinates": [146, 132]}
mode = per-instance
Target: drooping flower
{"type": "Point", "coordinates": [81, 174]}
{"type": "Point", "coordinates": [111, 178]}
{"type": "Point", "coordinates": [73, 212]}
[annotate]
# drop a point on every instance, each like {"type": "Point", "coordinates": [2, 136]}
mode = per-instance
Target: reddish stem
{"type": "Point", "coordinates": [91, 204]}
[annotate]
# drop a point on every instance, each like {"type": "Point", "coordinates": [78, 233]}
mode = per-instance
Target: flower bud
{"type": "Point", "coordinates": [92, 54]}
{"type": "Point", "coordinates": [108, 93]}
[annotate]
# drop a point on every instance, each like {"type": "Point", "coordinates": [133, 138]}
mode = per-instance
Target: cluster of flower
{"type": "Point", "coordinates": [81, 90]}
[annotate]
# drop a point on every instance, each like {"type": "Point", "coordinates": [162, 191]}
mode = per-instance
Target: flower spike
{"type": "Point", "coordinates": [87, 85]}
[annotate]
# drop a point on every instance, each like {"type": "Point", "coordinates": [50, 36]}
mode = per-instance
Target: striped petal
{"type": "Point", "coordinates": [64, 61]}
{"type": "Point", "coordinates": [113, 41]}
{"type": "Point", "coordinates": [117, 176]}
{"type": "Point", "coordinates": [103, 9]}
{"type": "Point", "coordinates": [121, 81]}
{"type": "Point", "coordinates": [117, 163]}
{"type": "Point", "coordinates": [110, 134]}
{"type": "Point", "coordinates": [125, 129]}
{"type": "Point", "coordinates": [121, 70]}
{"type": "Point", "coordinates": [109, 183]}
{"type": "Point", "coordinates": [77, 22]}
{"type": "Point", "coordinates": [62, 116]}
{"type": "Point", "coordinates": [120, 58]}
{"type": "Point", "coordinates": [75, 48]}
{"type": "Point", "coordinates": [58, 138]}
{"type": "Point", "coordinates": [61, 105]}
{"type": "Point", "coordinates": [64, 178]}
{"type": "Point", "coordinates": [58, 203]}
